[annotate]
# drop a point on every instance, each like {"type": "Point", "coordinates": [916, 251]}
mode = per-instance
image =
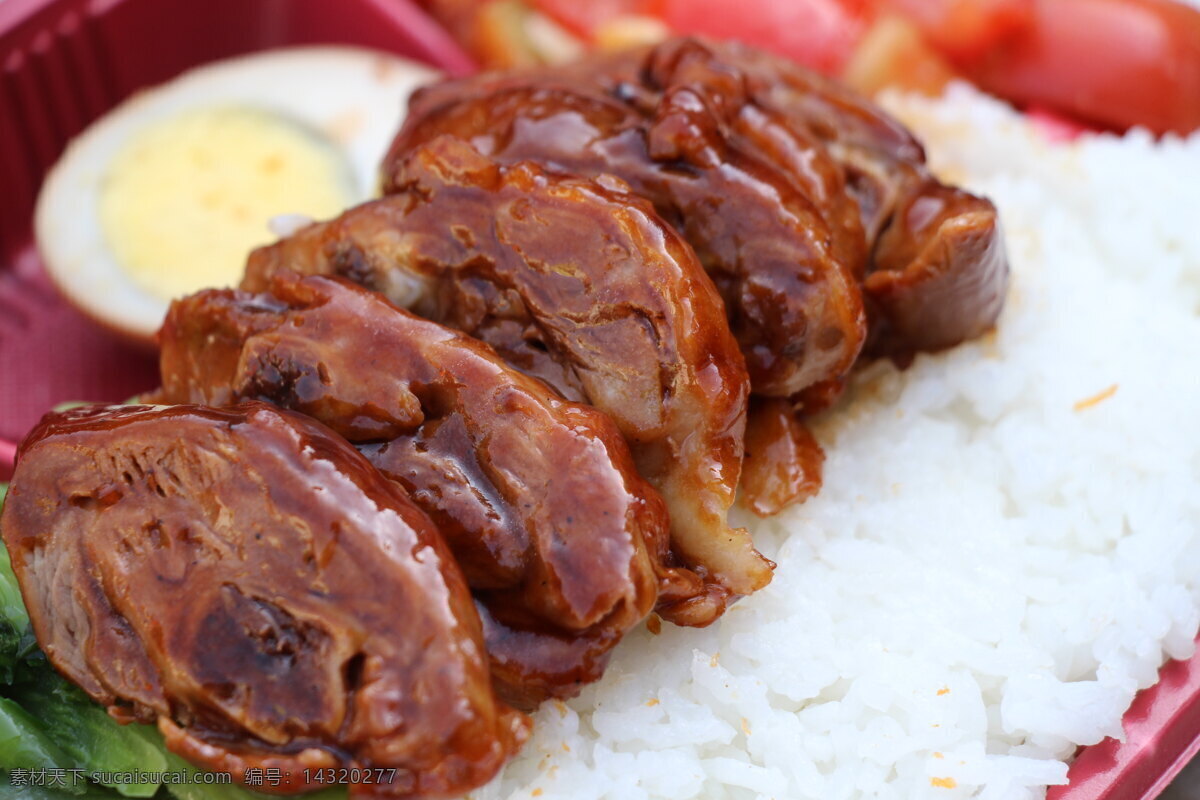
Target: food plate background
{"type": "Point", "coordinates": [63, 63]}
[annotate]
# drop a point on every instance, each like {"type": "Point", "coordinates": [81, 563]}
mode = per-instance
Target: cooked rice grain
{"type": "Point", "coordinates": [1007, 544]}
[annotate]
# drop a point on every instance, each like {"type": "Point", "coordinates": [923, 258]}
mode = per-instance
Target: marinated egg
{"type": "Point", "coordinates": [169, 192]}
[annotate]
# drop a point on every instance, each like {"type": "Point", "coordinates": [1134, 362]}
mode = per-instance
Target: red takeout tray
{"type": "Point", "coordinates": [65, 62]}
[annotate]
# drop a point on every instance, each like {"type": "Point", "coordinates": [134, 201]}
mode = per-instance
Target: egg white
{"type": "Point", "coordinates": [355, 97]}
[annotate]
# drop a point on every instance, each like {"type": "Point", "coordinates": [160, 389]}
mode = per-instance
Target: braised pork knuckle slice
{"type": "Point", "coordinates": [250, 582]}
{"type": "Point", "coordinates": [784, 461]}
{"type": "Point", "coordinates": [938, 271]}
{"type": "Point", "coordinates": [582, 285]}
{"type": "Point", "coordinates": [680, 121]}
{"type": "Point", "coordinates": [563, 544]}
{"type": "Point", "coordinates": [811, 208]}
{"type": "Point", "coordinates": [762, 205]}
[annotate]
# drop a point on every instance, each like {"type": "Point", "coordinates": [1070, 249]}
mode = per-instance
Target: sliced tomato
{"type": "Point", "coordinates": [965, 28]}
{"type": "Point", "coordinates": [820, 34]}
{"type": "Point", "coordinates": [1117, 62]}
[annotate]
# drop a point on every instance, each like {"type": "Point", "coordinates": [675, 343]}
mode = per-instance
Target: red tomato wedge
{"type": "Point", "coordinates": [820, 34]}
{"type": "Point", "coordinates": [1116, 62]}
{"type": "Point", "coordinates": [965, 28]}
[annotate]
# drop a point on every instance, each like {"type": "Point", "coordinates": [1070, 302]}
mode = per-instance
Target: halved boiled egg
{"type": "Point", "coordinates": [168, 193]}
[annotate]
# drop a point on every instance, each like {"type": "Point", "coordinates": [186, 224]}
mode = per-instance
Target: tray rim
{"type": "Point", "coordinates": [1162, 724]}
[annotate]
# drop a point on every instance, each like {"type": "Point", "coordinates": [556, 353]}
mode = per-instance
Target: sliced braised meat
{"type": "Point", "coordinates": [579, 284]}
{"type": "Point", "coordinates": [728, 141]}
{"type": "Point", "coordinates": [806, 203]}
{"type": "Point", "coordinates": [248, 580]}
{"type": "Point", "coordinates": [563, 544]}
{"type": "Point", "coordinates": [938, 271]}
{"type": "Point", "coordinates": [783, 459]}
{"type": "Point", "coordinates": [763, 206]}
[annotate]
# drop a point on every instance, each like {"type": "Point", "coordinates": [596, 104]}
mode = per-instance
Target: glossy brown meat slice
{"type": "Point", "coordinates": [783, 459]}
{"type": "Point", "coordinates": [690, 112]}
{"type": "Point", "coordinates": [562, 543]}
{"type": "Point", "coordinates": [763, 206]}
{"type": "Point", "coordinates": [579, 284]}
{"type": "Point", "coordinates": [728, 141]}
{"type": "Point", "coordinates": [938, 270]}
{"type": "Point", "coordinates": [248, 580]}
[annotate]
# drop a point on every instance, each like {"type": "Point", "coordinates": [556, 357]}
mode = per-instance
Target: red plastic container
{"type": "Point", "coordinates": [65, 62]}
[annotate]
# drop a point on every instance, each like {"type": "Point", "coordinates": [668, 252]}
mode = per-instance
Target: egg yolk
{"type": "Point", "coordinates": [188, 197]}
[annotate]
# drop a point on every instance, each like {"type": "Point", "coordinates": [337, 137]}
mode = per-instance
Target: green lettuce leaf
{"type": "Point", "coordinates": [22, 788]}
{"type": "Point", "coordinates": [23, 743]}
{"type": "Point", "coordinates": [92, 739]}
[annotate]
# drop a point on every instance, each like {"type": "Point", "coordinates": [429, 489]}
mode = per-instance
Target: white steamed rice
{"type": "Point", "coordinates": [991, 571]}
